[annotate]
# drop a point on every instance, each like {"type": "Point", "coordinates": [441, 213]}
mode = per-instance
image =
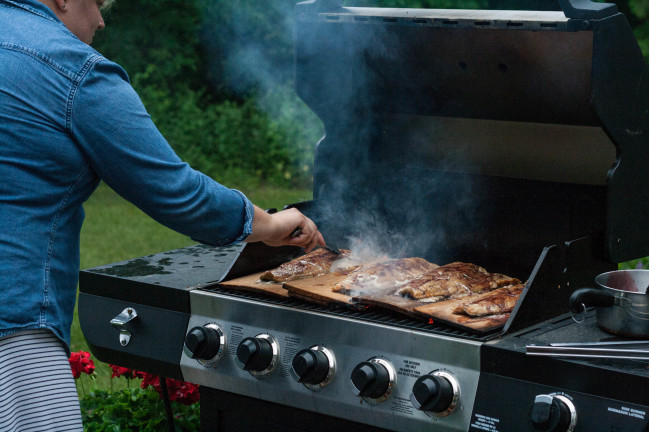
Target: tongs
{"type": "Point", "coordinates": [331, 248]}
{"type": "Point", "coordinates": [628, 350]}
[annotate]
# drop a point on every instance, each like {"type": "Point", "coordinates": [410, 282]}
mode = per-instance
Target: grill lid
{"type": "Point", "coordinates": [536, 95]}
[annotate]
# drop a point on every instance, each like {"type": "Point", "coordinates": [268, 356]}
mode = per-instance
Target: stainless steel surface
{"type": "Point", "coordinates": [628, 315]}
{"type": "Point", "coordinates": [459, 14]}
{"type": "Point", "coordinates": [412, 354]}
{"type": "Point", "coordinates": [625, 280]}
{"type": "Point", "coordinates": [587, 352]}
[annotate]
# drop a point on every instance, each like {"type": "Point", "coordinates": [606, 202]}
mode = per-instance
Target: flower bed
{"type": "Point", "coordinates": [134, 409]}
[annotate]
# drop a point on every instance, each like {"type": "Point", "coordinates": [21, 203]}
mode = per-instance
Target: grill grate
{"type": "Point", "coordinates": [374, 315]}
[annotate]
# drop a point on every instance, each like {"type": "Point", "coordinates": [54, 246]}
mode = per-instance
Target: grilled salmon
{"type": "Point", "coordinates": [315, 263]}
{"type": "Point", "coordinates": [454, 280]}
{"type": "Point", "coordinates": [383, 274]}
{"type": "Point", "coordinates": [498, 301]}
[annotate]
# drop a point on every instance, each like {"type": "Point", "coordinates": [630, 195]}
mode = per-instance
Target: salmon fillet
{"type": "Point", "coordinates": [315, 263]}
{"type": "Point", "coordinates": [389, 273]}
{"type": "Point", "coordinates": [498, 301]}
{"type": "Point", "coordinates": [454, 280]}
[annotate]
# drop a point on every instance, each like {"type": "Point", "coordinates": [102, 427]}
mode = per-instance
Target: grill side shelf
{"type": "Point", "coordinates": [156, 340]}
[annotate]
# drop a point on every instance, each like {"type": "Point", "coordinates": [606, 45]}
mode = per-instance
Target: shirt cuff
{"type": "Point", "coordinates": [247, 218]}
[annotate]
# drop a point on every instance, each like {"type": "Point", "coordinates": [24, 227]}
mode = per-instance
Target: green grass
{"type": "Point", "coordinates": [115, 230]}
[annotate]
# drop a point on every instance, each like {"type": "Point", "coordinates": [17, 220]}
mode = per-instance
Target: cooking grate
{"type": "Point", "coordinates": [374, 315]}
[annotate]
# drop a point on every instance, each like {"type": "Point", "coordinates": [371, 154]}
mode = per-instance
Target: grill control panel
{"type": "Point", "coordinates": [379, 375]}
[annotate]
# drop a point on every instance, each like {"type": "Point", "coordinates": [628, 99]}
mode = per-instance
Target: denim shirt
{"type": "Point", "coordinates": [68, 119]}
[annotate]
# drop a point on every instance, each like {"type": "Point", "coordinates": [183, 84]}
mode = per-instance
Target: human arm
{"type": "Point", "coordinates": [126, 150]}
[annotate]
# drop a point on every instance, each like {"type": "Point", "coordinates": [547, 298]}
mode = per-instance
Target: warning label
{"type": "Point", "coordinates": [628, 412]}
{"type": "Point", "coordinates": [484, 423]}
{"type": "Point", "coordinates": [409, 368]}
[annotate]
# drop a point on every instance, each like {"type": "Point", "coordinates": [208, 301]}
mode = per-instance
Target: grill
{"type": "Point", "coordinates": [514, 140]}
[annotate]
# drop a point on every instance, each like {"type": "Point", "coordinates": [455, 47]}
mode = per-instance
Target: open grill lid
{"type": "Point", "coordinates": [519, 100]}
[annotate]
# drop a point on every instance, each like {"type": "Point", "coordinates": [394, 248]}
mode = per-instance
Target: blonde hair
{"type": "Point", "coordinates": [106, 5]}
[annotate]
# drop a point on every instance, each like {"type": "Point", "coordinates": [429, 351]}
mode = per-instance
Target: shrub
{"type": "Point", "coordinates": [231, 141]}
{"type": "Point", "coordinates": [134, 409]}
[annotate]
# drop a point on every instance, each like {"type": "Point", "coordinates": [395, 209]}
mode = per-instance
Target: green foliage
{"type": "Point", "coordinates": [235, 141]}
{"type": "Point", "coordinates": [216, 78]}
{"type": "Point", "coordinates": [134, 410]}
{"type": "Point", "coordinates": [164, 33]}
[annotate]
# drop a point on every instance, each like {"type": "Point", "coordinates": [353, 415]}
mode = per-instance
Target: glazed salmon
{"type": "Point", "coordinates": [315, 263]}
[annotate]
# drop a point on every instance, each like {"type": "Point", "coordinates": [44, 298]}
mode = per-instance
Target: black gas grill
{"type": "Point", "coordinates": [515, 140]}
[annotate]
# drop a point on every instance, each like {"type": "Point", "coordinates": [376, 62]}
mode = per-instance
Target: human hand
{"type": "Point", "coordinates": [285, 228]}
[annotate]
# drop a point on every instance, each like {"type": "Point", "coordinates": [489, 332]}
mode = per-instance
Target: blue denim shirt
{"type": "Point", "coordinates": [68, 119]}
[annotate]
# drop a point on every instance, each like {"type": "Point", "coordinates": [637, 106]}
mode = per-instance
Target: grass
{"type": "Point", "coordinates": [115, 230]}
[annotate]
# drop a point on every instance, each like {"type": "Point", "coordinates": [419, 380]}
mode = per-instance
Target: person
{"type": "Point", "coordinates": [69, 119]}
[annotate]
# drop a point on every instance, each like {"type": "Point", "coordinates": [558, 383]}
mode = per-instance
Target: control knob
{"type": "Point", "coordinates": [258, 355]}
{"type": "Point", "coordinates": [374, 379]}
{"type": "Point", "coordinates": [205, 343]}
{"type": "Point", "coordinates": [553, 413]}
{"type": "Point", "coordinates": [314, 367]}
{"type": "Point", "coordinates": [436, 393]}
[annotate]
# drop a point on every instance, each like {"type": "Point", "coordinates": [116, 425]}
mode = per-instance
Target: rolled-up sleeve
{"type": "Point", "coordinates": [109, 123]}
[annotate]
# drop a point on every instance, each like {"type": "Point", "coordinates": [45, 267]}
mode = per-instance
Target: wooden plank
{"type": "Point", "coordinates": [319, 290]}
{"type": "Point", "coordinates": [443, 312]}
{"type": "Point", "coordinates": [252, 283]}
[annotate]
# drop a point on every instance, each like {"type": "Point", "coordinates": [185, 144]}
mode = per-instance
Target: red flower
{"type": "Point", "coordinates": [127, 373]}
{"type": "Point", "coordinates": [179, 391]}
{"type": "Point", "coordinates": [81, 362]}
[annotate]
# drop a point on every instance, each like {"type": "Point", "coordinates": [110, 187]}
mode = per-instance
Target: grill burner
{"type": "Point", "coordinates": [515, 140]}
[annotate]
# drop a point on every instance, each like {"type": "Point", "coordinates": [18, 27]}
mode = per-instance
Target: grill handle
{"type": "Point", "coordinates": [319, 6]}
{"type": "Point", "coordinates": [586, 9]}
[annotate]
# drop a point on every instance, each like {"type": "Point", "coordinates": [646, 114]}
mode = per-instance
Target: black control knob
{"type": "Point", "coordinates": [552, 414]}
{"type": "Point", "coordinates": [202, 343]}
{"type": "Point", "coordinates": [311, 366]}
{"type": "Point", "coordinates": [370, 379]}
{"type": "Point", "coordinates": [432, 393]}
{"type": "Point", "coordinates": [255, 354]}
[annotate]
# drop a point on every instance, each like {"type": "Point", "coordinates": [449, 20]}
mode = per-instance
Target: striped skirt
{"type": "Point", "coordinates": [37, 390]}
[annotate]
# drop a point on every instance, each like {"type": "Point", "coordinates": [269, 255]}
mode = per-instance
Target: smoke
{"type": "Point", "coordinates": [382, 188]}
{"type": "Point", "coordinates": [250, 45]}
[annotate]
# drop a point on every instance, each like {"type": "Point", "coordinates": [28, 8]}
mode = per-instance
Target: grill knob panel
{"type": "Point", "coordinates": [436, 393]}
{"type": "Point", "coordinates": [205, 343]}
{"type": "Point", "coordinates": [314, 367]}
{"type": "Point", "coordinates": [374, 380]}
{"type": "Point", "coordinates": [258, 355]}
{"type": "Point", "coordinates": [553, 413]}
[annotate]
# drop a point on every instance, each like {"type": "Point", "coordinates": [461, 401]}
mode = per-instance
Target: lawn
{"type": "Point", "coordinates": [115, 230]}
